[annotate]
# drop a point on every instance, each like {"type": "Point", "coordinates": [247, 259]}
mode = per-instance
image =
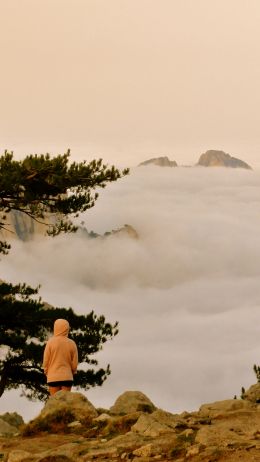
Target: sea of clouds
{"type": "Point", "coordinates": [186, 293]}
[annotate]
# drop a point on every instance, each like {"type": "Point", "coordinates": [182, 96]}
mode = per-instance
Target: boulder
{"type": "Point", "coordinates": [13, 419]}
{"type": "Point", "coordinates": [214, 158]}
{"type": "Point", "coordinates": [156, 424]}
{"type": "Point", "coordinates": [169, 419]}
{"type": "Point", "coordinates": [127, 442]}
{"type": "Point", "coordinates": [63, 453]}
{"type": "Point", "coordinates": [223, 407]}
{"type": "Point", "coordinates": [60, 410]}
{"type": "Point", "coordinates": [147, 426]}
{"type": "Point", "coordinates": [144, 451]}
{"type": "Point", "coordinates": [64, 401]}
{"type": "Point", "coordinates": [102, 453]}
{"type": "Point", "coordinates": [75, 424]}
{"type": "Point", "coordinates": [232, 429]}
{"type": "Point", "coordinates": [253, 393]}
{"type": "Point", "coordinates": [132, 401]}
{"type": "Point", "coordinates": [18, 455]}
{"type": "Point", "coordinates": [7, 429]}
{"type": "Point", "coordinates": [193, 451]}
{"type": "Point", "coordinates": [104, 417]}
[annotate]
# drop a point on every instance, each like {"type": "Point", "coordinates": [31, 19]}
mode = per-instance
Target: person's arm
{"type": "Point", "coordinates": [46, 358]}
{"type": "Point", "coordinates": [74, 360]}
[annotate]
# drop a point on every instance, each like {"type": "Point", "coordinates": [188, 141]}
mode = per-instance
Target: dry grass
{"type": "Point", "coordinates": [120, 425]}
{"type": "Point", "coordinates": [54, 423]}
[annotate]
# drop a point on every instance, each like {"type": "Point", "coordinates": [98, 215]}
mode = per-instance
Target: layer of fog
{"type": "Point", "coordinates": [186, 293]}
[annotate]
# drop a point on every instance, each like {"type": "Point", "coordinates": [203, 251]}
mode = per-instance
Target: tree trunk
{"type": "Point", "coordinates": [3, 379]}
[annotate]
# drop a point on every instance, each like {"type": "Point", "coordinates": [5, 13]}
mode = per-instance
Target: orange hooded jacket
{"type": "Point", "coordinates": [60, 357]}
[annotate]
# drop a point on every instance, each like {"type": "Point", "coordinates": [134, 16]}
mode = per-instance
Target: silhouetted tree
{"type": "Point", "coordinates": [25, 325]}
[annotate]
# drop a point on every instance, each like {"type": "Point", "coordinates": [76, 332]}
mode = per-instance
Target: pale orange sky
{"type": "Point", "coordinates": [127, 79]}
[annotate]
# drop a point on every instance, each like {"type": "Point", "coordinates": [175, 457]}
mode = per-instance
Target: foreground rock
{"type": "Point", "coordinates": [223, 408]}
{"type": "Point", "coordinates": [132, 401]}
{"type": "Point", "coordinates": [253, 394]}
{"type": "Point", "coordinates": [10, 423]}
{"type": "Point", "coordinates": [221, 431]}
{"type": "Point", "coordinates": [158, 423]}
{"type": "Point", "coordinates": [159, 162]}
{"type": "Point", "coordinates": [80, 407]}
{"type": "Point", "coordinates": [6, 429]}
{"type": "Point", "coordinates": [61, 410]}
{"type": "Point", "coordinates": [214, 158]}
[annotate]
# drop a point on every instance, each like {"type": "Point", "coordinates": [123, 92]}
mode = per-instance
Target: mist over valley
{"type": "Point", "coordinates": [185, 292]}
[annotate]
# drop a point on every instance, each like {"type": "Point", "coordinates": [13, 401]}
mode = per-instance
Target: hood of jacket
{"type": "Point", "coordinates": [61, 328]}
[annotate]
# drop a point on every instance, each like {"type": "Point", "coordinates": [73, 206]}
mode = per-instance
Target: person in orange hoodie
{"type": "Point", "coordinates": [60, 358]}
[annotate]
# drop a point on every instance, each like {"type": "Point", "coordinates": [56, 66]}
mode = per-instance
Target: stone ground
{"type": "Point", "coordinates": [70, 429]}
{"type": "Point", "coordinates": [54, 448]}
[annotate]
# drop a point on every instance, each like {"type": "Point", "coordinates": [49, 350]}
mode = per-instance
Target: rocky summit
{"type": "Point", "coordinates": [160, 162]}
{"type": "Point", "coordinates": [213, 158]}
{"type": "Point", "coordinates": [69, 429]}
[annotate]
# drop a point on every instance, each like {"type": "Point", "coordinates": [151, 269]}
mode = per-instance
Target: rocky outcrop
{"type": "Point", "coordinates": [220, 408]}
{"type": "Point", "coordinates": [158, 423]}
{"type": "Point", "coordinates": [132, 401]}
{"type": "Point", "coordinates": [13, 419]}
{"type": "Point", "coordinates": [215, 158]}
{"type": "Point", "coordinates": [221, 431]}
{"type": "Point", "coordinates": [252, 394]}
{"type": "Point", "coordinates": [10, 422]}
{"type": "Point", "coordinates": [160, 162]}
{"type": "Point", "coordinates": [76, 403]}
{"type": "Point", "coordinates": [22, 227]}
{"type": "Point", "coordinates": [60, 411]}
{"type": "Point", "coordinates": [7, 429]}
{"type": "Point", "coordinates": [211, 158]}
{"type": "Point", "coordinates": [126, 230]}
{"type": "Point", "coordinates": [25, 229]}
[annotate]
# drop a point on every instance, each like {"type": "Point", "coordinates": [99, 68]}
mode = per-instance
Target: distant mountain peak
{"type": "Point", "coordinates": [160, 162]}
{"type": "Point", "coordinates": [215, 158]}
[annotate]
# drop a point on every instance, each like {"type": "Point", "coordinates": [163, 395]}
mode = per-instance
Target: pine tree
{"type": "Point", "coordinates": [42, 188]}
{"type": "Point", "coordinates": [25, 325]}
{"type": "Point", "coordinates": [45, 187]}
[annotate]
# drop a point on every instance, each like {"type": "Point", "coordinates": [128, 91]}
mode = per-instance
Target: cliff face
{"type": "Point", "coordinates": [160, 162]}
{"type": "Point", "coordinates": [22, 226]}
{"type": "Point", "coordinates": [214, 158]}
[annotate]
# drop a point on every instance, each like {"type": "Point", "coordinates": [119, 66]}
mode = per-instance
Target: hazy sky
{"type": "Point", "coordinates": [126, 79]}
{"type": "Point", "coordinates": [186, 293]}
